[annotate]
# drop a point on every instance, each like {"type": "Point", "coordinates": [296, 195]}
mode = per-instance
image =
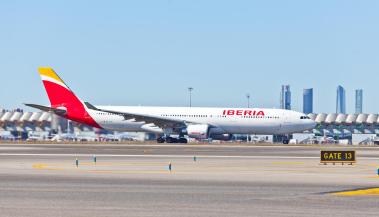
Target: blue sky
{"type": "Point", "coordinates": [149, 52]}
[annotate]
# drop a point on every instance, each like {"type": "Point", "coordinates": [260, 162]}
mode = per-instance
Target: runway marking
{"type": "Point", "coordinates": [45, 167]}
{"type": "Point", "coordinates": [360, 192]}
{"type": "Point", "coordinates": [374, 177]}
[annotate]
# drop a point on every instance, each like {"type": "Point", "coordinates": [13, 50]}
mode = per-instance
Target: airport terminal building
{"type": "Point", "coordinates": [354, 128]}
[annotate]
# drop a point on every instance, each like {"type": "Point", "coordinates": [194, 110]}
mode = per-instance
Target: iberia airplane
{"type": "Point", "coordinates": [195, 122]}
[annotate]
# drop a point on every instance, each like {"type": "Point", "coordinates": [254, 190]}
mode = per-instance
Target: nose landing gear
{"type": "Point", "coordinates": [286, 139]}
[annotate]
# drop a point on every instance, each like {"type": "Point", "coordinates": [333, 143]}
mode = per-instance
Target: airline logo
{"type": "Point", "coordinates": [48, 74]}
{"type": "Point", "coordinates": [243, 112]}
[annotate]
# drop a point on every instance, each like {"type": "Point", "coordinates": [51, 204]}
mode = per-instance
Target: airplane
{"type": "Point", "coordinates": [194, 122]}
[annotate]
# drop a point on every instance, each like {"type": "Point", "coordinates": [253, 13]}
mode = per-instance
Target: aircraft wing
{"type": "Point", "coordinates": [162, 122]}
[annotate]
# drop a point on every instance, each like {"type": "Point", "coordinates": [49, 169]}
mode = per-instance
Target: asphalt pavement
{"type": "Point", "coordinates": [205, 180]}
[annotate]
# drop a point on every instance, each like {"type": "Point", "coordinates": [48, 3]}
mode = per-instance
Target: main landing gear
{"type": "Point", "coordinates": [169, 139]}
{"type": "Point", "coordinates": [286, 140]}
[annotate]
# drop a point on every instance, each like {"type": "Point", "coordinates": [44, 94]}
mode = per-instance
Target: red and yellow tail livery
{"type": "Point", "coordinates": [61, 97]}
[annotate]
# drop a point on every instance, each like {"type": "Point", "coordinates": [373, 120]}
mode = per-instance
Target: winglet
{"type": "Point", "coordinates": [90, 106]}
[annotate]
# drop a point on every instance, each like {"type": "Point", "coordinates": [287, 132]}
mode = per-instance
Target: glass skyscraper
{"type": "Point", "coordinates": [341, 100]}
{"type": "Point", "coordinates": [359, 101]}
{"type": "Point", "coordinates": [285, 97]}
{"type": "Point", "coordinates": [308, 101]}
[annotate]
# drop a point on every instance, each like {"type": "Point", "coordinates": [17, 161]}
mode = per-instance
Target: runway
{"type": "Point", "coordinates": [206, 180]}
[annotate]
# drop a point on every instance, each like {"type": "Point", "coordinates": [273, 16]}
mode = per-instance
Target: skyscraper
{"type": "Point", "coordinates": [308, 101]}
{"type": "Point", "coordinates": [359, 101]}
{"type": "Point", "coordinates": [285, 97]}
{"type": "Point", "coordinates": [341, 100]}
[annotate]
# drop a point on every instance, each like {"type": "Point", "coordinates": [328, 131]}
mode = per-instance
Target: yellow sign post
{"type": "Point", "coordinates": [337, 157]}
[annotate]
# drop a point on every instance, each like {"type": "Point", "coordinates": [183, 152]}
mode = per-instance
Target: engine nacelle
{"type": "Point", "coordinates": [222, 137]}
{"type": "Point", "coordinates": [198, 131]}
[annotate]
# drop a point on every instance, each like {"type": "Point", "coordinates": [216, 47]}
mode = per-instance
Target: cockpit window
{"type": "Point", "coordinates": [305, 117]}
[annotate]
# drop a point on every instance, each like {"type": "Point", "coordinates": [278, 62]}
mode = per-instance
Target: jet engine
{"type": "Point", "coordinates": [222, 137]}
{"type": "Point", "coordinates": [203, 131]}
{"type": "Point", "coordinates": [198, 131]}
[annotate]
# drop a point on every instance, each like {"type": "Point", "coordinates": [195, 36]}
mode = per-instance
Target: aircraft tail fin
{"type": "Point", "coordinates": [58, 92]}
{"type": "Point", "coordinates": [62, 99]}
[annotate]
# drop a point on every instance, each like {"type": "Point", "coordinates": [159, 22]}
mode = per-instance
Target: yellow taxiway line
{"type": "Point", "coordinates": [45, 167]}
{"type": "Point", "coordinates": [361, 192]}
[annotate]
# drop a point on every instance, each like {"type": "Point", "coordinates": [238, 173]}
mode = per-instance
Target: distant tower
{"type": "Point", "coordinates": [285, 97]}
{"type": "Point", "coordinates": [341, 100]}
{"type": "Point", "coordinates": [190, 89]}
{"type": "Point", "coordinates": [308, 101]}
{"type": "Point", "coordinates": [359, 101]}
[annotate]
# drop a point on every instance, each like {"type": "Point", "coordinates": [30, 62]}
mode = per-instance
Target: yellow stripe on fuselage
{"type": "Point", "coordinates": [49, 72]}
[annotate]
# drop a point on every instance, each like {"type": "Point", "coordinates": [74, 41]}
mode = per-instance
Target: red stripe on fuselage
{"type": "Point", "coordinates": [60, 96]}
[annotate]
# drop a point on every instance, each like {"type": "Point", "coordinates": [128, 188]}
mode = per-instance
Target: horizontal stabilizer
{"type": "Point", "coordinates": [56, 111]}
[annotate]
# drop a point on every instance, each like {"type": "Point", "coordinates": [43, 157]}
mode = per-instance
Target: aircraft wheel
{"type": "Point", "coordinates": [160, 140]}
{"type": "Point", "coordinates": [173, 140]}
{"type": "Point", "coordinates": [170, 140]}
{"type": "Point", "coordinates": [183, 140]}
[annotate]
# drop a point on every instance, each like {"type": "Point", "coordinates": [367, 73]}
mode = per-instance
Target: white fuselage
{"type": "Point", "coordinates": [224, 120]}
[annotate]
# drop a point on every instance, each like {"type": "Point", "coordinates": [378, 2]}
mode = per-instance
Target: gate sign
{"type": "Point", "coordinates": [337, 157]}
